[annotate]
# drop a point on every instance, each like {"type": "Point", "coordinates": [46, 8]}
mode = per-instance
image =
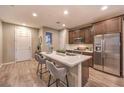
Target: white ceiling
{"type": "Point", "coordinates": [49, 15]}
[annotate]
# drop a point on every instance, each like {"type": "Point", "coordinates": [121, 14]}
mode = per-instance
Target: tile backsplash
{"type": "Point", "coordinates": [75, 46]}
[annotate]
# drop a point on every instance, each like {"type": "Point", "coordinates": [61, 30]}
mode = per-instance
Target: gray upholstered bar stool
{"type": "Point", "coordinates": [58, 73]}
{"type": "Point", "coordinates": [40, 61]}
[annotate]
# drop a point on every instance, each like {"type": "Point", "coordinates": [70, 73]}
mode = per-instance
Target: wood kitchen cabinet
{"type": "Point", "coordinates": [84, 34]}
{"type": "Point", "coordinates": [91, 60]}
{"type": "Point", "coordinates": [85, 72]}
{"type": "Point", "coordinates": [113, 25]}
{"type": "Point", "coordinates": [76, 36]}
{"type": "Point", "coordinates": [81, 33]}
{"type": "Point", "coordinates": [71, 37]}
{"type": "Point", "coordinates": [88, 36]}
{"type": "Point", "coordinates": [108, 26]}
{"type": "Point", "coordinates": [99, 28]}
{"type": "Point", "coordinates": [76, 33]}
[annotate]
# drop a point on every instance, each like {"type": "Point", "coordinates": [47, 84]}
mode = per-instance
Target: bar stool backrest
{"type": "Point", "coordinates": [52, 68]}
{"type": "Point", "coordinates": [39, 59]}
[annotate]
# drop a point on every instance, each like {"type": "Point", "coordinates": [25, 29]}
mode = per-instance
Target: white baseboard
{"type": "Point", "coordinates": [24, 60]}
{"type": "Point", "coordinates": [8, 63]}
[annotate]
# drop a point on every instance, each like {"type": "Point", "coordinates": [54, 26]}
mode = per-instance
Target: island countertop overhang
{"type": "Point", "coordinates": [69, 61]}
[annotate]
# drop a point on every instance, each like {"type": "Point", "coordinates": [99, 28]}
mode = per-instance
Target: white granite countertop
{"type": "Point", "coordinates": [70, 61]}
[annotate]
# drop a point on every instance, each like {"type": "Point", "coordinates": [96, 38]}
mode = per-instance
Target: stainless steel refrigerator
{"type": "Point", "coordinates": [107, 53]}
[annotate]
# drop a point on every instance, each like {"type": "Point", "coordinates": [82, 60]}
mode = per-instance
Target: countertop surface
{"type": "Point", "coordinates": [67, 60]}
{"type": "Point", "coordinates": [88, 51]}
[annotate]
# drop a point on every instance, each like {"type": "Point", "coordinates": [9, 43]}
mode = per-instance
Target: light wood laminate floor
{"type": "Point", "coordinates": [23, 74]}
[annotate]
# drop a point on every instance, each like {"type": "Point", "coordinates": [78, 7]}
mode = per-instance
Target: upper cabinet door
{"type": "Point", "coordinates": [113, 25]}
{"type": "Point", "coordinates": [99, 28]}
{"type": "Point", "coordinates": [88, 36]}
{"type": "Point", "coordinates": [71, 41]}
{"type": "Point", "coordinates": [81, 33]}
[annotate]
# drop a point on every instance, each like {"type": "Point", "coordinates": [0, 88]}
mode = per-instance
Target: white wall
{"type": "Point", "coordinates": [41, 36]}
{"type": "Point", "coordinates": [63, 39]}
{"type": "Point", "coordinates": [55, 38]}
{"type": "Point", "coordinates": [1, 42]}
{"type": "Point", "coordinates": [35, 39]}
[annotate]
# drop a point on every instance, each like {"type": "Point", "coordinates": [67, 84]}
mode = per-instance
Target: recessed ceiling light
{"type": "Point", "coordinates": [104, 8]}
{"type": "Point", "coordinates": [34, 14]}
{"type": "Point", "coordinates": [23, 24]}
{"type": "Point", "coordinates": [63, 25]}
{"type": "Point", "coordinates": [65, 12]}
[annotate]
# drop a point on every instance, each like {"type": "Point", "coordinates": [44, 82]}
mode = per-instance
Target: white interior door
{"type": "Point", "coordinates": [23, 46]}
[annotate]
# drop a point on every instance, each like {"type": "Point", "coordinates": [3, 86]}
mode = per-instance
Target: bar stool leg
{"type": "Point", "coordinates": [37, 68]}
{"type": "Point", "coordinates": [41, 71]}
{"type": "Point", "coordinates": [57, 82]}
{"type": "Point", "coordinates": [67, 81]}
{"type": "Point", "coordinates": [49, 80]}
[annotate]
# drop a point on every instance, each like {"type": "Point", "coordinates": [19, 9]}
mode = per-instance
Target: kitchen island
{"type": "Point", "coordinates": [83, 52]}
{"type": "Point", "coordinates": [78, 66]}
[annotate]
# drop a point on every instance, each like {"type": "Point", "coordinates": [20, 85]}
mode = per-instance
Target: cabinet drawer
{"type": "Point", "coordinates": [91, 60]}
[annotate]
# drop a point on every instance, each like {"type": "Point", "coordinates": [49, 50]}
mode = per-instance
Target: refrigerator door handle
{"type": "Point", "coordinates": [103, 48]}
{"type": "Point", "coordinates": [102, 53]}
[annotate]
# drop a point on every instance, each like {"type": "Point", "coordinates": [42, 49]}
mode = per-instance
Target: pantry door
{"type": "Point", "coordinates": [23, 45]}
